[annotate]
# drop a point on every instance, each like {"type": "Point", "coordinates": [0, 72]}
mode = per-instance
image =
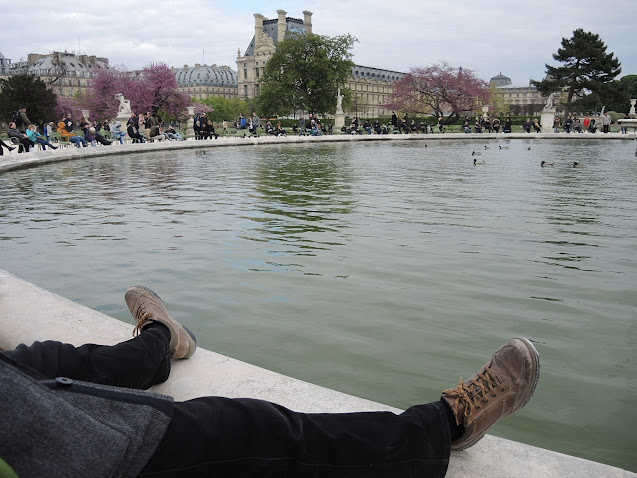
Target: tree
{"type": "Point", "coordinates": [439, 89]}
{"type": "Point", "coordinates": [29, 91]}
{"type": "Point", "coordinates": [587, 70]}
{"type": "Point", "coordinates": [627, 88]}
{"type": "Point", "coordinates": [226, 108]}
{"type": "Point", "coordinates": [304, 73]}
{"type": "Point", "coordinates": [101, 101]}
{"type": "Point", "coordinates": [499, 106]}
{"type": "Point", "coordinates": [154, 89]}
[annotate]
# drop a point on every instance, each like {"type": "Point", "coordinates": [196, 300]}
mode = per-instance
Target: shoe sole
{"type": "Point", "coordinates": [536, 357]}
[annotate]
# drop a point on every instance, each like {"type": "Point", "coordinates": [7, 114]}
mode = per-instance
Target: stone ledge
{"type": "Point", "coordinates": [14, 160]}
{"type": "Point", "coordinates": [29, 313]}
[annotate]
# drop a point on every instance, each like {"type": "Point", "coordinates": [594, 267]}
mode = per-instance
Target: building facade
{"type": "Point", "coordinates": [267, 35]}
{"type": "Point", "coordinates": [371, 87]}
{"type": "Point", "coordinates": [523, 100]}
{"type": "Point", "coordinates": [67, 73]}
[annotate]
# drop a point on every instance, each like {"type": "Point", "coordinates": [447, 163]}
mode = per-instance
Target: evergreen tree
{"type": "Point", "coordinates": [305, 73]}
{"type": "Point", "coordinates": [29, 91]}
{"type": "Point", "coordinates": [586, 70]}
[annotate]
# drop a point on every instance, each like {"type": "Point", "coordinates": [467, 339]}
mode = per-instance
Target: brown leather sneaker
{"type": "Point", "coordinates": [147, 307]}
{"type": "Point", "coordinates": [502, 386]}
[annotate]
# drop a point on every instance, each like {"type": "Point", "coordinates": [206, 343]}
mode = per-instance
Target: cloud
{"type": "Point", "coordinates": [514, 38]}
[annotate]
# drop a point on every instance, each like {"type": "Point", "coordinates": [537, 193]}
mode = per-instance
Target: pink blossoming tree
{"type": "Point", "coordinates": [153, 89]}
{"type": "Point", "coordinates": [441, 90]}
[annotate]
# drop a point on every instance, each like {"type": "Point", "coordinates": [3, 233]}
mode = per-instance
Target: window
{"type": "Point", "coordinates": [256, 70]}
{"type": "Point", "coordinates": [245, 73]}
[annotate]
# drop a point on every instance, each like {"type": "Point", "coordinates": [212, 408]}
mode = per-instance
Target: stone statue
{"type": "Point", "coordinates": [339, 102]}
{"type": "Point", "coordinates": [550, 103]}
{"type": "Point", "coordinates": [124, 105]}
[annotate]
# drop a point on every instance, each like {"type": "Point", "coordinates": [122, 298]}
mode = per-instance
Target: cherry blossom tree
{"type": "Point", "coordinates": [441, 90]}
{"type": "Point", "coordinates": [153, 89]}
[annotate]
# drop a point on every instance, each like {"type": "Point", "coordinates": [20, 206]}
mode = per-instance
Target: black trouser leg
{"type": "Point", "coordinates": [137, 363]}
{"type": "Point", "coordinates": [217, 436]}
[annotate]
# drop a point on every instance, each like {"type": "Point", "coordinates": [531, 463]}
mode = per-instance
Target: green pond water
{"type": "Point", "coordinates": [386, 270]}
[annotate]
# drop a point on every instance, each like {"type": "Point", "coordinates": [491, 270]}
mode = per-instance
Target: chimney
{"type": "Point", "coordinates": [281, 25]}
{"type": "Point", "coordinates": [307, 21]}
{"type": "Point", "coordinates": [258, 27]}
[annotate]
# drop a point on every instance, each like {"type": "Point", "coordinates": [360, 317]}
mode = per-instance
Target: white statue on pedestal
{"type": "Point", "coordinates": [124, 105]}
{"type": "Point", "coordinates": [550, 104]}
{"type": "Point", "coordinates": [339, 102]}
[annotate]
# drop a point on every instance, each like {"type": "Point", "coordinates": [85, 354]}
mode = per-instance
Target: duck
{"type": "Point", "coordinates": [529, 148]}
{"type": "Point", "coordinates": [545, 164]}
{"type": "Point", "coordinates": [476, 162]}
{"type": "Point", "coordinates": [476, 154]}
{"type": "Point", "coordinates": [200, 151]}
{"type": "Point", "coordinates": [578, 165]}
{"type": "Point", "coordinates": [487, 147]}
{"type": "Point", "coordinates": [504, 147]}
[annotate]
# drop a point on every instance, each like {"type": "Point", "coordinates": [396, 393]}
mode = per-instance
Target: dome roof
{"type": "Point", "coordinates": [204, 75]}
{"type": "Point", "coordinates": [500, 80]}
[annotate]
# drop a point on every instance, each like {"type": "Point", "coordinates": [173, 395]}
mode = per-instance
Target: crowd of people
{"type": "Point", "coordinates": [82, 133]}
{"type": "Point", "coordinates": [140, 128]}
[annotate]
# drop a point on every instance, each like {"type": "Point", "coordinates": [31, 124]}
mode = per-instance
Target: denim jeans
{"type": "Point", "coordinates": [216, 436]}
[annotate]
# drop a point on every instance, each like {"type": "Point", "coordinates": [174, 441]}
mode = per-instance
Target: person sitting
{"type": "Point", "coordinates": [68, 122]}
{"type": "Point", "coordinates": [465, 125]}
{"type": "Point", "coordinates": [367, 126]}
{"type": "Point", "coordinates": [89, 135]}
{"type": "Point", "coordinates": [70, 136]}
{"type": "Point", "coordinates": [527, 125]}
{"type": "Point", "coordinates": [35, 137]}
{"type": "Point", "coordinates": [209, 130]}
{"type": "Point", "coordinates": [156, 134]}
{"type": "Point", "coordinates": [496, 125]}
{"type": "Point", "coordinates": [5, 145]}
{"type": "Point", "coordinates": [592, 128]}
{"type": "Point", "coordinates": [99, 137]}
{"type": "Point", "coordinates": [577, 125]}
{"type": "Point", "coordinates": [25, 142]}
{"type": "Point", "coordinates": [172, 134]}
{"type": "Point", "coordinates": [134, 133]}
{"type": "Point", "coordinates": [269, 129]}
{"type": "Point", "coordinates": [537, 126]}
{"type": "Point", "coordinates": [116, 132]}
{"type": "Point", "coordinates": [478, 125]}
{"type": "Point", "coordinates": [82, 410]}
{"type": "Point", "coordinates": [198, 127]}
{"type": "Point", "coordinates": [279, 130]}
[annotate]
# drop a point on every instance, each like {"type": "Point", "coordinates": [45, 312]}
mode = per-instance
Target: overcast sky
{"type": "Point", "coordinates": [513, 37]}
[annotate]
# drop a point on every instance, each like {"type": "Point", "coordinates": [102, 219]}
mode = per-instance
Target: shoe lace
{"type": "Point", "coordinates": [472, 392]}
{"type": "Point", "coordinates": [143, 317]}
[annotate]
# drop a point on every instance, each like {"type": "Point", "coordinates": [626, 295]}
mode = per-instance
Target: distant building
{"type": "Point", "coordinates": [5, 65]}
{"type": "Point", "coordinates": [523, 100]}
{"type": "Point", "coordinates": [202, 81]}
{"type": "Point", "coordinates": [371, 86]}
{"type": "Point", "coordinates": [67, 73]}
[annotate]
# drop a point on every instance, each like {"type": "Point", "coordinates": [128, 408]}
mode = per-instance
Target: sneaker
{"type": "Point", "coordinates": [147, 307]}
{"type": "Point", "coordinates": [502, 386]}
